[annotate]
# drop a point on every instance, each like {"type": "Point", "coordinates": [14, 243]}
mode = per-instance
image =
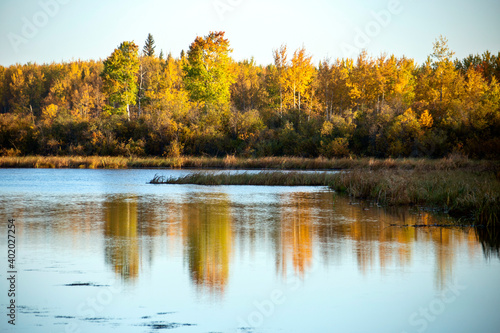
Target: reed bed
{"type": "Point", "coordinates": [262, 178]}
{"type": "Point", "coordinates": [57, 162]}
{"type": "Point", "coordinates": [232, 162]}
{"type": "Point", "coordinates": [463, 194]}
{"type": "Point", "coordinates": [457, 185]}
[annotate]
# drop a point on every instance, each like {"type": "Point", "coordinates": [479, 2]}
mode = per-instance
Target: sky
{"type": "Point", "coordinates": [45, 31]}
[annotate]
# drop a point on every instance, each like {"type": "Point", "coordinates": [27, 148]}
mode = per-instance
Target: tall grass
{"type": "Point", "coordinates": [461, 193]}
{"type": "Point", "coordinates": [89, 162]}
{"type": "Point", "coordinates": [261, 178]}
{"type": "Point", "coordinates": [232, 162]}
{"type": "Point", "coordinates": [464, 194]}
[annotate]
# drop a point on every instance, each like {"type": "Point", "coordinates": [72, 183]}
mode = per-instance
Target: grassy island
{"type": "Point", "coordinates": [462, 192]}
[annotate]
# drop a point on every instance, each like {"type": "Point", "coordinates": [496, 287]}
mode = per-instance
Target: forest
{"type": "Point", "coordinates": [139, 102]}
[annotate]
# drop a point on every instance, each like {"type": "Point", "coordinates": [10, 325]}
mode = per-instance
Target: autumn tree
{"type": "Point", "coordinates": [208, 74]}
{"type": "Point", "coordinates": [163, 88]}
{"type": "Point", "coordinates": [487, 64]}
{"type": "Point", "coordinates": [18, 89]}
{"type": "Point", "coordinates": [26, 89]}
{"type": "Point", "coordinates": [293, 77]}
{"type": "Point", "coordinates": [383, 106]}
{"type": "Point", "coordinates": [301, 75]}
{"type": "Point", "coordinates": [324, 86]}
{"type": "Point", "coordinates": [119, 78]}
{"type": "Point", "coordinates": [281, 64]}
{"type": "Point", "coordinates": [148, 51]}
{"type": "Point", "coordinates": [439, 86]}
{"type": "Point", "coordinates": [330, 85]}
{"type": "Point", "coordinates": [403, 83]}
{"type": "Point", "coordinates": [247, 91]}
{"type": "Point", "coordinates": [442, 64]}
{"type": "Point", "coordinates": [341, 70]}
{"type": "Point", "coordinates": [76, 88]}
{"type": "Point", "coordinates": [402, 134]}
{"type": "Point", "coordinates": [364, 85]}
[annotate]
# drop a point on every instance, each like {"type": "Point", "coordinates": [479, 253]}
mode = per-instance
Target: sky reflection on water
{"type": "Point", "coordinates": [202, 259]}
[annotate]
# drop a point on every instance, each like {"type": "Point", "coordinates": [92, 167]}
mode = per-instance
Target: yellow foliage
{"type": "Point", "coordinates": [409, 113]}
{"type": "Point", "coordinates": [50, 111]}
{"type": "Point", "coordinates": [327, 128]}
{"type": "Point", "coordinates": [426, 120]}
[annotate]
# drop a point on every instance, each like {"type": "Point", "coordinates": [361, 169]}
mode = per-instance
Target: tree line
{"type": "Point", "coordinates": [138, 103]}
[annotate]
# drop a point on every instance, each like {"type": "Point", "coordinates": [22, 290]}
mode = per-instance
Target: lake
{"type": "Point", "coordinates": [103, 251]}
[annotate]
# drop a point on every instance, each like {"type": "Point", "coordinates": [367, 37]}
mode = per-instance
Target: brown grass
{"type": "Point", "coordinates": [466, 194]}
{"type": "Point", "coordinates": [463, 194]}
{"type": "Point", "coordinates": [232, 162]}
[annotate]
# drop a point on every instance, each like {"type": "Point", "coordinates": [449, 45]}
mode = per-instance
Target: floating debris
{"type": "Point", "coordinates": [160, 325]}
{"type": "Point", "coordinates": [84, 284]}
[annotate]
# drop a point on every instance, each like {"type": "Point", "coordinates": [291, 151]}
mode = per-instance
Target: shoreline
{"type": "Point", "coordinates": [463, 188]}
{"type": "Point", "coordinates": [256, 163]}
{"type": "Point", "coordinates": [462, 194]}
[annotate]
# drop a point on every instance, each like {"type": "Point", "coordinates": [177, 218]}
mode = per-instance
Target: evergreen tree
{"type": "Point", "coordinates": [149, 46]}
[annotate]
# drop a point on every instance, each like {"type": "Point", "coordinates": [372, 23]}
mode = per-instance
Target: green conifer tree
{"type": "Point", "coordinates": [149, 46]}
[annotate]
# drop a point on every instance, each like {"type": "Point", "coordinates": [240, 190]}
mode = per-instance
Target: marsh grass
{"type": "Point", "coordinates": [462, 187]}
{"type": "Point", "coordinates": [453, 162]}
{"type": "Point", "coordinates": [90, 162]}
{"type": "Point", "coordinates": [261, 178]}
{"type": "Point", "coordinates": [463, 194]}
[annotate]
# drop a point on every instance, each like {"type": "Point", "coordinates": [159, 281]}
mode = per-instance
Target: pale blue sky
{"type": "Point", "coordinates": [91, 29]}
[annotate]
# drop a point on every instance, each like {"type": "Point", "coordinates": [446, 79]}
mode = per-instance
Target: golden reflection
{"type": "Point", "coordinates": [296, 234]}
{"type": "Point", "coordinates": [378, 238]}
{"type": "Point", "coordinates": [299, 226]}
{"type": "Point", "coordinates": [294, 229]}
{"type": "Point", "coordinates": [391, 234]}
{"type": "Point", "coordinates": [120, 230]}
{"type": "Point", "coordinates": [207, 230]}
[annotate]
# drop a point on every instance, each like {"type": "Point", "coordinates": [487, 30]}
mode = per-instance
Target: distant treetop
{"type": "Point", "coordinates": [149, 47]}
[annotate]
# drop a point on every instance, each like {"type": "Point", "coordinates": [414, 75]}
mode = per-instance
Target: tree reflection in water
{"type": "Point", "coordinates": [292, 227]}
{"type": "Point", "coordinates": [121, 242]}
{"type": "Point", "coordinates": [206, 222]}
{"type": "Point", "coordinates": [296, 232]}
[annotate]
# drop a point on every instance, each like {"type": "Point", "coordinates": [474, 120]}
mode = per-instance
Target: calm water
{"type": "Point", "coordinates": [102, 251]}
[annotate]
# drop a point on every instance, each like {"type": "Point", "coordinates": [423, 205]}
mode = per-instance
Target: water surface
{"type": "Point", "coordinates": [103, 251]}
